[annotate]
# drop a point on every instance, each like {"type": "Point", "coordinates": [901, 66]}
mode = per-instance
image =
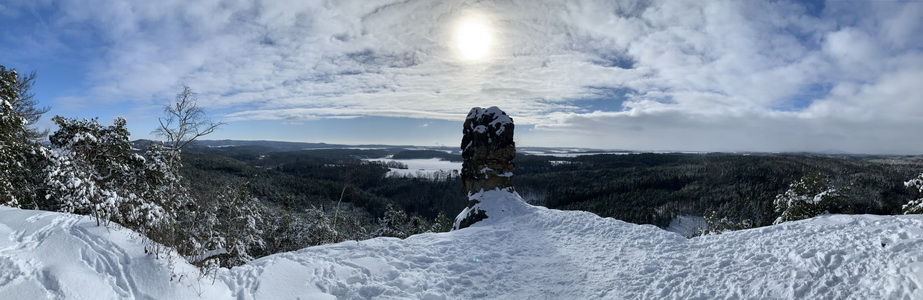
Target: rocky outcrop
{"type": "Point", "coordinates": [488, 149]}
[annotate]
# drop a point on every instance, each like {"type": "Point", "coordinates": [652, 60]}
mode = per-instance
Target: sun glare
{"type": "Point", "coordinates": [473, 38]}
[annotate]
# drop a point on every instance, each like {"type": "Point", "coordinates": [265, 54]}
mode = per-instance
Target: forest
{"type": "Point", "coordinates": [643, 188]}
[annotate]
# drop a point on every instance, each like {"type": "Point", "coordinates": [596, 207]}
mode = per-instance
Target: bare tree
{"type": "Point", "coordinates": [185, 121]}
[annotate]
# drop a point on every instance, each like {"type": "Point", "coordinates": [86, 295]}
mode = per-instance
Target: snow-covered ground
{"type": "Point", "coordinates": [421, 167]}
{"type": "Point", "coordinates": [524, 252]}
{"type": "Point", "coordinates": [686, 226]}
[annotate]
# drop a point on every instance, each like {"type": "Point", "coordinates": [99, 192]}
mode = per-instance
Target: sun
{"type": "Point", "coordinates": [473, 38]}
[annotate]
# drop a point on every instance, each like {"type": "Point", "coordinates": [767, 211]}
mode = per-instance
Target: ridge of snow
{"type": "Point", "coordinates": [498, 204]}
{"type": "Point", "coordinates": [527, 252]}
{"type": "Point", "coordinates": [50, 255]}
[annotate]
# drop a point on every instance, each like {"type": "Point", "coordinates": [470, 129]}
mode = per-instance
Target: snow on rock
{"type": "Point", "coordinates": [501, 203]}
{"type": "Point", "coordinates": [497, 119]}
{"type": "Point", "coordinates": [530, 253]}
{"type": "Point", "coordinates": [488, 149]}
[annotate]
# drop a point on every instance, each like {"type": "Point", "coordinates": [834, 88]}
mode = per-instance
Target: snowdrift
{"type": "Point", "coordinates": [523, 252]}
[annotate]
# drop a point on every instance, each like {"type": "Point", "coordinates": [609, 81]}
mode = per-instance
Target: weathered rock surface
{"type": "Point", "coordinates": [488, 149]}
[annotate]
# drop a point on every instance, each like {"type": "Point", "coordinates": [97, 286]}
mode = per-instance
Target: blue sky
{"type": "Point", "coordinates": [637, 75]}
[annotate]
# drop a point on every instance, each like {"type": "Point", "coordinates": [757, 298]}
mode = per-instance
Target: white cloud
{"type": "Point", "coordinates": [717, 68]}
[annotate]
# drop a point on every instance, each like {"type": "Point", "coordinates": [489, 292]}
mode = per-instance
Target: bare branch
{"type": "Point", "coordinates": [185, 121]}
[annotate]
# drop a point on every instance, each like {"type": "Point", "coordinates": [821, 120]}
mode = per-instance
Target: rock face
{"type": "Point", "coordinates": [488, 149]}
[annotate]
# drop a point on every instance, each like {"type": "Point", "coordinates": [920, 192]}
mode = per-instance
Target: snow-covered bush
{"type": "Point", "coordinates": [914, 206]}
{"type": "Point", "coordinates": [286, 229]}
{"type": "Point", "coordinates": [808, 197]}
{"type": "Point", "coordinates": [716, 225]}
{"type": "Point", "coordinates": [319, 227]}
{"type": "Point", "coordinates": [92, 170]}
{"type": "Point", "coordinates": [396, 223]}
{"type": "Point", "coordinates": [222, 231]}
{"type": "Point", "coordinates": [283, 231]}
{"type": "Point", "coordinates": [241, 225]}
{"type": "Point", "coordinates": [442, 223]}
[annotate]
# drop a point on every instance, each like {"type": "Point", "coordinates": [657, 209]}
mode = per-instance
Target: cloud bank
{"type": "Point", "coordinates": [684, 75]}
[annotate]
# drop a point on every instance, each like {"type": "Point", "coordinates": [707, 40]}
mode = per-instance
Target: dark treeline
{"type": "Point", "coordinates": [655, 188]}
{"type": "Point", "coordinates": [638, 188]}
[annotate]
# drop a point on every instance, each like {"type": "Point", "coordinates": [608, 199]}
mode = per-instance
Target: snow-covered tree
{"type": "Point", "coordinates": [241, 225]}
{"type": "Point", "coordinates": [808, 197]}
{"type": "Point", "coordinates": [10, 148]}
{"type": "Point", "coordinates": [442, 223]}
{"type": "Point", "coordinates": [393, 224]}
{"type": "Point", "coordinates": [23, 102]}
{"type": "Point", "coordinates": [914, 206]}
{"type": "Point", "coordinates": [21, 156]}
{"type": "Point", "coordinates": [283, 231]}
{"type": "Point", "coordinates": [396, 223]}
{"type": "Point", "coordinates": [319, 227]}
{"type": "Point", "coordinates": [225, 230]}
{"type": "Point", "coordinates": [719, 225]}
{"type": "Point", "coordinates": [92, 170]}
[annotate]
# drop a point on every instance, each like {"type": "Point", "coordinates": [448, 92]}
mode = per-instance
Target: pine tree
{"type": "Point", "coordinates": [319, 227]}
{"type": "Point", "coordinates": [11, 168]}
{"type": "Point", "coordinates": [442, 223]}
{"type": "Point", "coordinates": [397, 223]}
{"type": "Point", "coordinates": [808, 197]}
{"type": "Point", "coordinates": [21, 156]}
{"type": "Point", "coordinates": [393, 224]}
{"type": "Point", "coordinates": [241, 225]}
{"type": "Point", "coordinates": [24, 104]}
{"type": "Point", "coordinates": [716, 225]}
{"type": "Point", "coordinates": [914, 206]}
{"type": "Point", "coordinates": [224, 231]}
{"type": "Point", "coordinates": [283, 231]}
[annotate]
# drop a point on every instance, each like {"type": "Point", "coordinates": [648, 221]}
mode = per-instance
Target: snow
{"type": "Point", "coordinates": [48, 255]}
{"type": "Point", "coordinates": [574, 154]}
{"type": "Point", "coordinates": [686, 226]}
{"type": "Point", "coordinates": [916, 183]}
{"type": "Point", "coordinates": [518, 252]}
{"type": "Point", "coordinates": [421, 166]}
{"type": "Point", "coordinates": [498, 121]}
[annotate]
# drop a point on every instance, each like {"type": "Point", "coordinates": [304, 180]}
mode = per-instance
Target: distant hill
{"type": "Point", "coordinates": [276, 146]}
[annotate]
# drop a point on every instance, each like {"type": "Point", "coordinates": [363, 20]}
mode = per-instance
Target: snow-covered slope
{"type": "Point", "coordinates": [523, 253]}
{"type": "Point", "coordinates": [49, 255]}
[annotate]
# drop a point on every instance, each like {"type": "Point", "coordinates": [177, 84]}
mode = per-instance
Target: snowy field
{"type": "Point", "coordinates": [525, 252]}
{"type": "Point", "coordinates": [572, 153]}
{"type": "Point", "coordinates": [418, 167]}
